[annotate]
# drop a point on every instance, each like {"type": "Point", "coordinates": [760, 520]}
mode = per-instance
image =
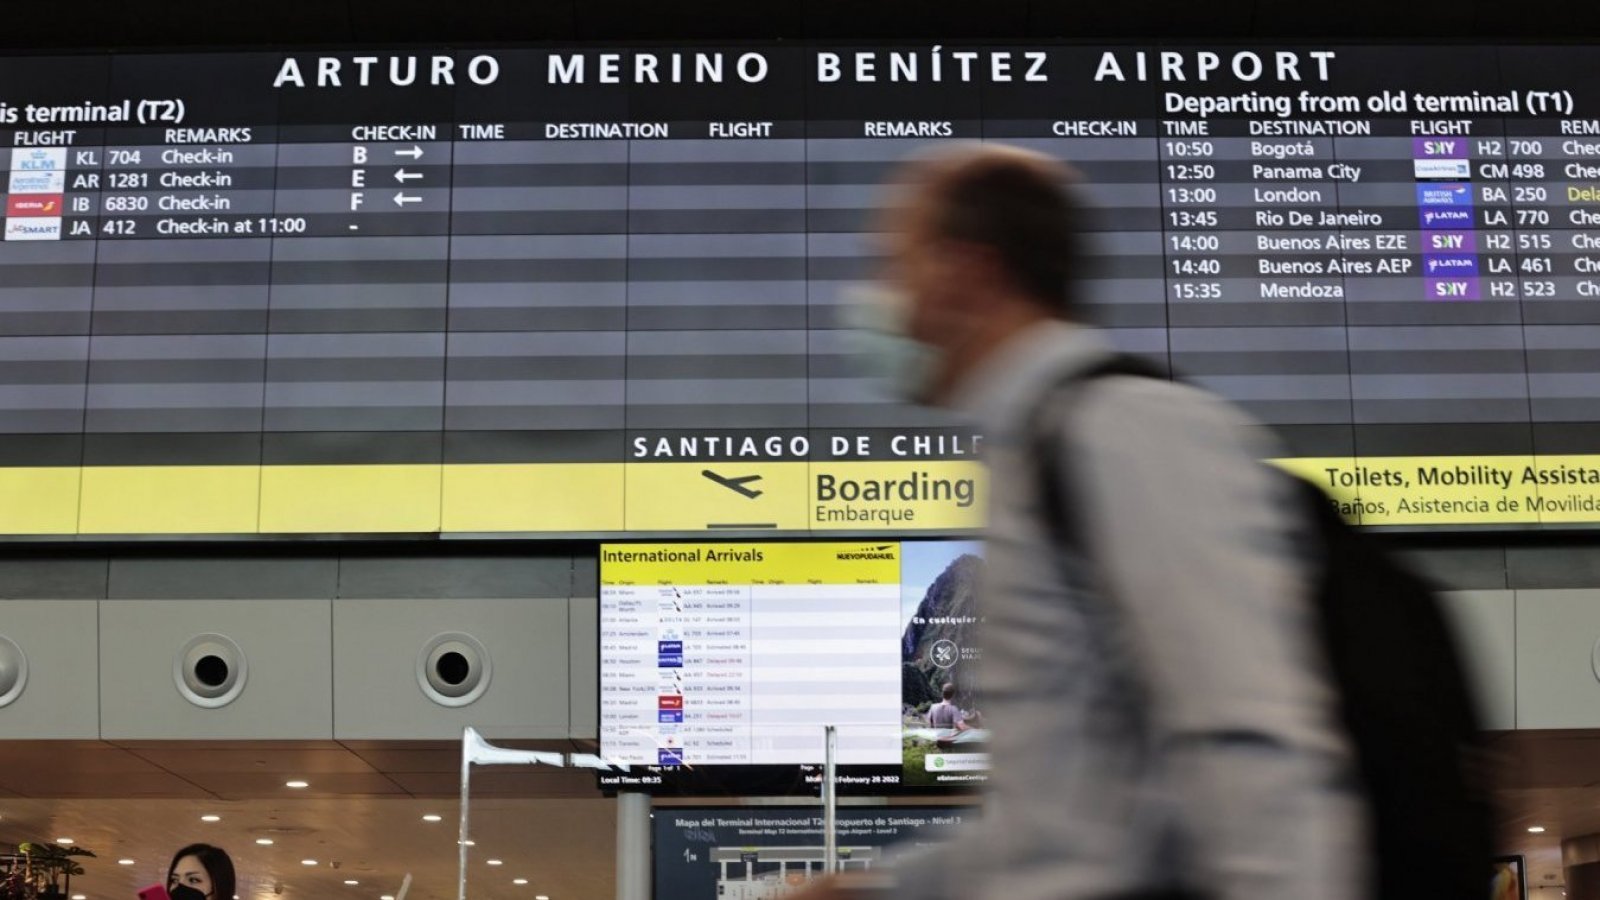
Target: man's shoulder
{"type": "Point", "coordinates": [1159, 417]}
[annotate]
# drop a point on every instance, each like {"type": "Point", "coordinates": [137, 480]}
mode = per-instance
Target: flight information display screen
{"type": "Point", "coordinates": [723, 665]}
{"type": "Point", "coordinates": [595, 290]}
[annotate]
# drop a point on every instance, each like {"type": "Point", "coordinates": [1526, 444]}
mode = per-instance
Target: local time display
{"type": "Point", "coordinates": [592, 290]}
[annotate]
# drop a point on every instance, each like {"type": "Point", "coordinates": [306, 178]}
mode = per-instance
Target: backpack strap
{"type": "Point", "coordinates": [1047, 450]}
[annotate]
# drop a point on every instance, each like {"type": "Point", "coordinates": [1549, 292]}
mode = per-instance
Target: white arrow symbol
{"type": "Point", "coordinates": [402, 198]}
{"type": "Point", "coordinates": [415, 152]}
{"type": "Point", "coordinates": [403, 176]}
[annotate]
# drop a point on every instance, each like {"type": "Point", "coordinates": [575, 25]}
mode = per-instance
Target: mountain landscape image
{"type": "Point", "coordinates": [939, 646]}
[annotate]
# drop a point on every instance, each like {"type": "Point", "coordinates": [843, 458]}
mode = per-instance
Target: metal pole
{"type": "Point", "coordinates": [461, 840]}
{"type": "Point", "coordinates": [830, 803]}
{"type": "Point", "coordinates": [633, 846]}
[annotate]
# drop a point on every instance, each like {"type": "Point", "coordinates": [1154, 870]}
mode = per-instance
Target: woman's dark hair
{"type": "Point", "coordinates": [217, 864]}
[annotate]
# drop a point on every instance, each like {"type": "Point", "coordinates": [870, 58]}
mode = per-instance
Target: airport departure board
{"type": "Point", "coordinates": [594, 290]}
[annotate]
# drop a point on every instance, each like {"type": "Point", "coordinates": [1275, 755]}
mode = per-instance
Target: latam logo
{"type": "Point", "coordinates": [33, 205]}
{"type": "Point", "coordinates": [1441, 168]}
{"type": "Point", "coordinates": [1451, 241]}
{"type": "Point", "coordinates": [1445, 266]}
{"type": "Point", "coordinates": [38, 183]}
{"type": "Point", "coordinates": [1446, 218]}
{"type": "Point", "coordinates": [1444, 195]}
{"type": "Point", "coordinates": [1452, 288]}
{"type": "Point", "coordinates": [33, 229]}
{"type": "Point", "coordinates": [669, 646]}
{"type": "Point", "coordinates": [1435, 147]}
{"type": "Point", "coordinates": [669, 756]}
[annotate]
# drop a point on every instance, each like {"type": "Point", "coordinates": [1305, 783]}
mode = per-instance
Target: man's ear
{"type": "Point", "coordinates": [975, 270]}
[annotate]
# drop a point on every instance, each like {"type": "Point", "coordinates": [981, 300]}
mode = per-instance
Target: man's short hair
{"type": "Point", "coordinates": [1016, 202]}
{"type": "Point", "coordinates": [949, 691]}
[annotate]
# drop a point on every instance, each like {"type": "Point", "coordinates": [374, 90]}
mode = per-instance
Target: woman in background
{"type": "Point", "coordinates": [201, 872]}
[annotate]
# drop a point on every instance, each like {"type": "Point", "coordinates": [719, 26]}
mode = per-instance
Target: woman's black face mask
{"type": "Point", "coordinates": [184, 892]}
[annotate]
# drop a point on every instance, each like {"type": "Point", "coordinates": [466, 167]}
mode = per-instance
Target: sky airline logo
{"type": "Point", "coordinates": [1444, 195]}
{"type": "Point", "coordinates": [1451, 241]}
{"type": "Point", "coordinates": [1452, 288]}
{"type": "Point", "coordinates": [1435, 147]}
{"type": "Point", "coordinates": [33, 205]}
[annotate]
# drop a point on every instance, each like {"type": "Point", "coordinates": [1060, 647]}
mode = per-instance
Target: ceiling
{"type": "Point", "coordinates": [360, 817]}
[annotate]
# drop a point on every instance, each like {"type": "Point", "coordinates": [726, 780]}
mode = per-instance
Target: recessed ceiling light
{"type": "Point", "coordinates": [1536, 829]}
{"type": "Point", "coordinates": [468, 843]}
{"type": "Point", "coordinates": [351, 881]}
{"type": "Point", "coordinates": [541, 897]}
{"type": "Point", "coordinates": [297, 784]}
{"type": "Point", "coordinates": [494, 862]}
{"type": "Point", "coordinates": [124, 862]}
{"type": "Point", "coordinates": [210, 818]}
{"type": "Point", "coordinates": [387, 897]}
{"type": "Point", "coordinates": [64, 841]}
{"type": "Point", "coordinates": [308, 862]}
{"type": "Point", "coordinates": [265, 842]}
{"type": "Point", "coordinates": [80, 897]}
{"type": "Point", "coordinates": [433, 817]}
{"type": "Point", "coordinates": [519, 881]}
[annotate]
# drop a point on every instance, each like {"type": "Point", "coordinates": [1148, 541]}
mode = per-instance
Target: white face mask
{"type": "Point", "coordinates": [877, 317]}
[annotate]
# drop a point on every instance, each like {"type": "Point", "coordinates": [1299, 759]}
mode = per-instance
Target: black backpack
{"type": "Point", "coordinates": [1405, 703]}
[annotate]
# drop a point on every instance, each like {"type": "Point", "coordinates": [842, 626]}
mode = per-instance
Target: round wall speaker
{"type": "Point", "coordinates": [453, 669]}
{"type": "Point", "coordinates": [210, 670]}
{"type": "Point", "coordinates": [13, 671]}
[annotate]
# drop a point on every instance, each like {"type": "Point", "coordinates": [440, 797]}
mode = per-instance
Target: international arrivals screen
{"type": "Point", "coordinates": [595, 290]}
{"type": "Point", "coordinates": [723, 664]}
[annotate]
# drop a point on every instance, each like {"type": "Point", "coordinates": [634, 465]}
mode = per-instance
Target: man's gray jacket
{"type": "Point", "coordinates": [1160, 713]}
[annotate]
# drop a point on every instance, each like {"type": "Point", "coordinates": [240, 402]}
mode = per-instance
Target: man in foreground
{"type": "Point", "coordinates": [1171, 728]}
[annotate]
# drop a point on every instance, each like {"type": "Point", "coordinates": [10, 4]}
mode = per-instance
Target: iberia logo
{"type": "Point", "coordinates": [33, 205]}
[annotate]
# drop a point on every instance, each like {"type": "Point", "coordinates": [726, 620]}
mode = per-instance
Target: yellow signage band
{"type": "Point", "coordinates": [898, 496]}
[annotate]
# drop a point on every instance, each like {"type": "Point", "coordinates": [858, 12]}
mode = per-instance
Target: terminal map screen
{"type": "Point", "coordinates": [595, 290]}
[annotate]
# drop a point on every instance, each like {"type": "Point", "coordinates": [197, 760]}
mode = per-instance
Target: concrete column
{"type": "Point", "coordinates": [633, 846]}
{"type": "Point", "coordinates": [1580, 857]}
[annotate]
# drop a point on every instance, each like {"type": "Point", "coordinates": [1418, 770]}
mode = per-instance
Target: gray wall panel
{"type": "Point", "coordinates": [177, 578]}
{"type": "Point", "coordinates": [1553, 567]}
{"type": "Point", "coordinates": [54, 579]}
{"type": "Point", "coordinates": [1460, 568]}
{"type": "Point", "coordinates": [453, 576]}
{"type": "Point", "coordinates": [1486, 630]}
{"type": "Point", "coordinates": [287, 646]}
{"type": "Point", "coordinates": [583, 668]}
{"type": "Point", "coordinates": [379, 643]}
{"type": "Point", "coordinates": [61, 698]}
